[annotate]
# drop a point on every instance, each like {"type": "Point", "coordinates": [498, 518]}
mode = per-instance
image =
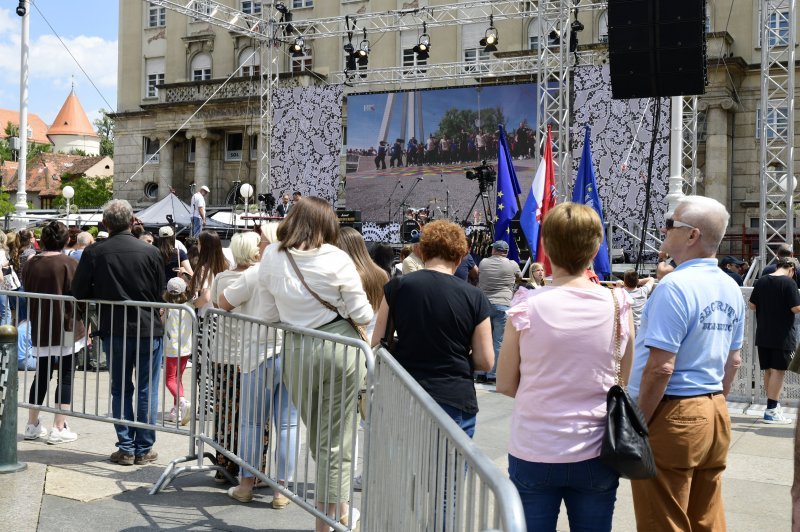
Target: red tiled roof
{"type": "Point", "coordinates": [44, 172]}
{"type": "Point", "coordinates": [72, 119]}
{"type": "Point", "coordinates": [36, 124]}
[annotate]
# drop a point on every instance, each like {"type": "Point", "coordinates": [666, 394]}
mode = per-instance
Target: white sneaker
{"type": "Point", "coordinates": [171, 416]}
{"type": "Point", "coordinates": [775, 416]}
{"type": "Point", "coordinates": [61, 436]}
{"type": "Point", "coordinates": [184, 416]}
{"type": "Point", "coordinates": [35, 432]}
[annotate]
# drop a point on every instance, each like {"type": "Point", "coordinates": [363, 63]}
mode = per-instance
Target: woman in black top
{"type": "Point", "coordinates": [442, 324]}
{"type": "Point", "coordinates": [174, 259]}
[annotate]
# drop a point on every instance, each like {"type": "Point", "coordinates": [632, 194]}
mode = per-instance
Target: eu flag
{"type": "Point", "coordinates": [585, 192]}
{"type": "Point", "coordinates": [507, 190]}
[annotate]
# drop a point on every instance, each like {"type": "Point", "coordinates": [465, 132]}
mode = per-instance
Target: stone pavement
{"type": "Point", "coordinates": [74, 486]}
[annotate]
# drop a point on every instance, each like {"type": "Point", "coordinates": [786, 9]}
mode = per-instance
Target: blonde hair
{"type": "Point", "coordinates": [572, 234]}
{"type": "Point", "coordinates": [270, 231]}
{"type": "Point", "coordinates": [373, 277]}
{"type": "Point", "coordinates": [244, 247]}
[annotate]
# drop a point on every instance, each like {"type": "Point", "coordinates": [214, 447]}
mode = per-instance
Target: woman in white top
{"type": "Point", "coordinates": [558, 362]}
{"type": "Point", "coordinates": [258, 347]}
{"type": "Point", "coordinates": [322, 377]}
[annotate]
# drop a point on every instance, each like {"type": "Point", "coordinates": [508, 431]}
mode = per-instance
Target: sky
{"type": "Point", "coordinates": [365, 112]}
{"type": "Point", "coordinates": [88, 29]}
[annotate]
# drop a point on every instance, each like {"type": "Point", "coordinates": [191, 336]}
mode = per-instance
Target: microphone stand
{"type": "Point", "coordinates": [403, 201]}
{"type": "Point", "coordinates": [389, 201]}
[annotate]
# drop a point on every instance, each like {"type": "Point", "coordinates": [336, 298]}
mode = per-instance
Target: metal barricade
{"type": "Point", "coordinates": [305, 383]}
{"type": "Point", "coordinates": [423, 472]}
{"type": "Point", "coordinates": [58, 330]}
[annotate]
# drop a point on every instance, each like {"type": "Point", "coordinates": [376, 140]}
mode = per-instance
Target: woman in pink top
{"type": "Point", "coordinates": [557, 361]}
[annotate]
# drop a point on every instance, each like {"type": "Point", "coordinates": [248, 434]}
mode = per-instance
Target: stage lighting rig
{"type": "Point", "coordinates": [491, 37]}
{"type": "Point", "coordinates": [422, 50]}
{"type": "Point", "coordinates": [21, 9]}
{"type": "Point", "coordinates": [362, 53]}
{"type": "Point", "coordinates": [298, 47]}
{"type": "Point", "coordinates": [484, 174]}
{"type": "Point", "coordinates": [574, 28]}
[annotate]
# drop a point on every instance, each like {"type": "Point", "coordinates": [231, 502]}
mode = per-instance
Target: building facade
{"type": "Point", "coordinates": [170, 63]}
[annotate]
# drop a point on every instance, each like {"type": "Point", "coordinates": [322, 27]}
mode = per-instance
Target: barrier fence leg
{"type": "Point", "coordinates": [8, 401]}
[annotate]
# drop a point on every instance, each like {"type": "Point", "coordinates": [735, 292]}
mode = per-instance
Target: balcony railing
{"type": "Point", "coordinates": [202, 90]}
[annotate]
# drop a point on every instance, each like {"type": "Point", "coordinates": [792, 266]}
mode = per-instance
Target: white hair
{"type": "Point", "coordinates": [244, 247]}
{"type": "Point", "coordinates": [708, 215]}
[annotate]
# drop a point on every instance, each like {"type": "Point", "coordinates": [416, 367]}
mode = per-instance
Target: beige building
{"type": "Point", "coordinates": [169, 63]}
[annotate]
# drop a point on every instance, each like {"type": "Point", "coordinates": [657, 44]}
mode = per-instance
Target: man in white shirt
{"type": "Point", "coordinates": [199, 210]}
{"type": "Point", "coordinates": [413, 262]}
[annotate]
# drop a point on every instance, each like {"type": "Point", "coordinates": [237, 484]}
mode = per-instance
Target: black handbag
{"type": "Point", "coordinates": [626, 447]}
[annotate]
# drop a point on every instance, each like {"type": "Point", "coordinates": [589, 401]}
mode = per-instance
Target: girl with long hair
{"type": "Point", "coordinates": [373, 277]}
{"type": "Point", "coordinates": [210, 262]}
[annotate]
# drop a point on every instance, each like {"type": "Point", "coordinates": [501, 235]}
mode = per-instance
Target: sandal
{"type": "Point", "coordinates": [241, 497]}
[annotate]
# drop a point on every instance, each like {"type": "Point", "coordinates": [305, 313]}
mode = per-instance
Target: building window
{"type": "Point", "coordinates": [233, 146]}
{"type": "Point", "coordinates": [201, 67]}
{"type": "Point", "coordinates": [253, 147]}
{"type": "Point", "coordinates": [414, 64]}
{"type": "Point", "coordinates": [777, 122]}
{"type": "Point", "coordinates": [708, 17]}
{"type": "Point", "coordinates": [602, 27]}
{"type": "Point", "coordinates": [154, 69]}
{"type": "Point", "coordinates": [150, 151]}
{"type": "Point", "coordinates": [191, 147]}
{"type": "Point", "coordinates": [201, 7]}
{"type": "Point", "coordinates": [778, 28]}
{"type": "Point", "coordinates": [250, 62]}
{"type": "Point", "coordinates": [156, 16]}
{"type": "Point", "coordinates": [302, 3]}
{"type": "Point", "coordinates": [304, 62]}
{"type": "Point", "coordinates": [251, 8]}
{"type": "Point", "coordinates": [476, 55]}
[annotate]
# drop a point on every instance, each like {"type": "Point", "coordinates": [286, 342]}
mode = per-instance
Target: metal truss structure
{"type": "Point", "coordinates": [776, 158]}
{"type": "Point", "coordinates": [689, 171]}
{"type": "Point", "coordinates": [551, 65]}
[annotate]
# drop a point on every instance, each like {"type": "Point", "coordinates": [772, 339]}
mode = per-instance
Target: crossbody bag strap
{"type": "Point", "coordinates": [617, 336]}
{"type": "Point", "coordinates": [388, 334]}
{"type": "Point", "coordinates": [310, 291]}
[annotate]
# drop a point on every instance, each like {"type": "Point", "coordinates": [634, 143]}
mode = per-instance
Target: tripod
{"type": "Point", "coordinates": [483, 197]}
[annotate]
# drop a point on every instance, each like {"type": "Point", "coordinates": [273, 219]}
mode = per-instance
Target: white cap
{"type": "Point", "coordinates": [208, 190]}
{"type": "Point", "coordinates": [176, 285]}
{"type": "Point", "coordinates": [102, 234]}
{"type": "Point", "coordinates": [165, 231]}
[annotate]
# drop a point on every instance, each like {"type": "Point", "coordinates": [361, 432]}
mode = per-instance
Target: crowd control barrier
{"type": "Point", "coordinates": [424, 472]}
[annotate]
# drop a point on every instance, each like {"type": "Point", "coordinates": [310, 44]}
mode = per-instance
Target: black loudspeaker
{"type": "Point", "coordinates": [657, 47]}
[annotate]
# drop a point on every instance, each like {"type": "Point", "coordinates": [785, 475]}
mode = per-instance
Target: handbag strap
{"type": "Point", "coordinates": [617, 336]}
{"type": "Point", "coordinates": [310, 291]}
{"type": "Point", "coordinates": [388, 334]}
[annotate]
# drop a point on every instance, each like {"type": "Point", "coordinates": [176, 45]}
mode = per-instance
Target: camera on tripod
{"type": "Point", "coordinates": [484, 174]}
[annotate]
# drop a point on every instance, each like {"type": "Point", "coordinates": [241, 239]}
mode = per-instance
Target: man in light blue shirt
{"type": "Point", "coordinates": [686, 356]}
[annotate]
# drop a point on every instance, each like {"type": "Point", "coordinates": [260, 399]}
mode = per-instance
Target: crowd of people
{"type": "Point", "coordinates": [559, 344]}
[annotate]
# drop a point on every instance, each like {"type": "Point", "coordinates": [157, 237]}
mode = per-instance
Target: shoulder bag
{"type": "Point", "coordinates": [10, 280]}
{"type": "Point", "coordinates": [626, 447]}
{"type": "Point", "coordinates": [362, 332]}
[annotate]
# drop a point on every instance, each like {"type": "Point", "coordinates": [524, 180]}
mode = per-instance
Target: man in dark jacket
{"type": "Point", "coordinates": [123, 268]}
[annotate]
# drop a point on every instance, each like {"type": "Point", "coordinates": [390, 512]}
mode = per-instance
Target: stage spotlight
{"type": "Point", "coordinates": [362, 54]}
{"type": "Point", "coordinates": [298, 47]}
{"type": "Point", "coordinates": [424, 47]}
{"type": "Point", "coordinates": [281, 7]}
{"type": "Point", "coordinates": [554, 37]}
{"type": "Point", "coordinates": [21, 9]}
{"type": "Point", "coordinates": [491, 37]}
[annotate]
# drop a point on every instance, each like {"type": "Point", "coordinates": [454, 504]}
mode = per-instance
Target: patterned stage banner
{"type": "Point", "coordinates": [307, 140]}
{"type": "Point", "coordinates": [621, 134]}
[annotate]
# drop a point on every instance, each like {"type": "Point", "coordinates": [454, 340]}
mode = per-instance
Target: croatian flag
{"type": "Point", "coordinates": [541, 198]}
{"type": "Point", "coordinates": [585, 192]}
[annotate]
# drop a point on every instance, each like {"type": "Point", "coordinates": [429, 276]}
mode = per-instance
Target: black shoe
{"type": "Point", "coordinates": [481, 379]}
{"type": "Point", "coordinates": [491, 380]}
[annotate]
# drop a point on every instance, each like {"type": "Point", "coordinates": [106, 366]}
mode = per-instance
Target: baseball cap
{"type": "Point", "coordinates": [176, 285]}
{"type": "Point", "coordinates": [731, 260]}
{"type": "Point", "coordinates": [102, 234]}
{"type": "Point", "coordinates": [500, 245]}
{"type": "Point", "coordinates": [165, 231]}
{"type": "Point", "coordinates": [205, 188]}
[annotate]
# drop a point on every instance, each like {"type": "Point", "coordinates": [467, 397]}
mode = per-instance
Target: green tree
{"type": "Point", "coordinates": [78, 152]}
{"type": "Point", "coordinates": [105, 130]}
{"type": "Point", "coordinates": [93, 192]}
{"type": "Point", "coordinates": [6, 204]}
{"type": "Point", "coordinates": [455, 121]}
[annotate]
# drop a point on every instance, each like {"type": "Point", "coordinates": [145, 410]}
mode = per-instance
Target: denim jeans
{"type": "Point", "coordinates": [125, 354]}
{"type": "Point", "coordinates": [5, 310]}
{"type": "Point", "coordinates": [588, 489]}
{"type": "Point", "coordinates": [462, 419]}
{"type": "Point", "coordinates": [255, 409]}
{"type": "Point", "coordinates": [498, 321]}
{"type": "Point", "coordinates": [197, 225]}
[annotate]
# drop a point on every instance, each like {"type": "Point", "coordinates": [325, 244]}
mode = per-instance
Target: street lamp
{"type": "Point", "coordinates": [68, 192]}
{"type": "Point", "coordinates": [246, 191]}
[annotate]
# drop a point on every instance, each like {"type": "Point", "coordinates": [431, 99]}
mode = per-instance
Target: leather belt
{"type": "Point", "coordinates": [679, 397]}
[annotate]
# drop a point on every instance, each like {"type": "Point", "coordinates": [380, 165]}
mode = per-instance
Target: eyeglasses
{"type": "Point", "coordinates": [672, 224]}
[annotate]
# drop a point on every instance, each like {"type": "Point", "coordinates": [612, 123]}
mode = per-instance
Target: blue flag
{"type": "Point", "coordinates": [507, 190]}
{"type": "Point", "coordinates": [585, 192]}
